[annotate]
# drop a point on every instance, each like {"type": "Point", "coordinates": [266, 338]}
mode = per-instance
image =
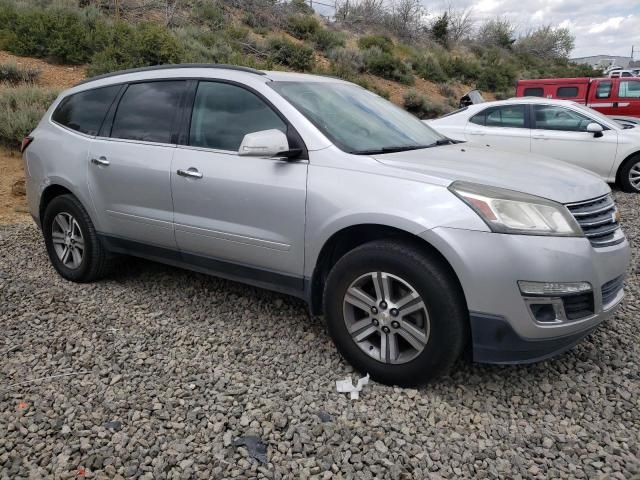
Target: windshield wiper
{"type": "Point", "coordinates": [399, 148]}
{"type": "Point", "coordinates": [404, 148]}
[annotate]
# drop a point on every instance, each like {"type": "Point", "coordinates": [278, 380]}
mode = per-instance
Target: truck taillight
{"type": "Point", "coordinates": [26, 141]}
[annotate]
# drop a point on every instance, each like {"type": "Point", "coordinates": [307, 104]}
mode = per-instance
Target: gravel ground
{"type": "Point", "coordinates": [156, 372]}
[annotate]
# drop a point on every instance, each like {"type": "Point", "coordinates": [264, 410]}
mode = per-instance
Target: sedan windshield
{"type": "Point", "coordinates": [356, 120]}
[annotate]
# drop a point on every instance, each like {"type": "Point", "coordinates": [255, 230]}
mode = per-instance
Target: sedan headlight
{"type": "Point", "coordinates": [507, 211]}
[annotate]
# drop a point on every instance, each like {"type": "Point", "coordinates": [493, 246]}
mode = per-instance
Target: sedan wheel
{"type": "Point", "coordinates": [634, 176]}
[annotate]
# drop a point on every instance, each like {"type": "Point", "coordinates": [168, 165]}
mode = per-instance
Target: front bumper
{"type": "Point", "coordinates": [489, 266]}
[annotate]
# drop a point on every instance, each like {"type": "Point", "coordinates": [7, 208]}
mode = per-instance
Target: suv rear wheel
{"type": "Point", "coordinates": [71, 240]}
{"type": "Point", "coordinates": [395, 313]}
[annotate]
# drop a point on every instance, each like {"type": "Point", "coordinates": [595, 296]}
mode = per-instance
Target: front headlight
{"type": "Point", "coordinates": [507, 211]}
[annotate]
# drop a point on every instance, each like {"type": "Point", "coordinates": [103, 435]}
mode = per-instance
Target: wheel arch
{"type": "Point", "coordinates": [348, 238]}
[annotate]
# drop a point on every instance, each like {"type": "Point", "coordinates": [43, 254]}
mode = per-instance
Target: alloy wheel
{"type": "Point", "coordinates": [68, 241]}
{"type": "Point", "coordinates": [634, 176]}
{"type": "Point", "coordinates": [386, 317]}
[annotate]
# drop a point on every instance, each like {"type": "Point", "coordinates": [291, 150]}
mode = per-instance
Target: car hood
{"type": "Point", "coordinates": [522, 172]}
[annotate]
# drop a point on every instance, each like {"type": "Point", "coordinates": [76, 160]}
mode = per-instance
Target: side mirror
{"type": "Point", "coordinates": [595, 128]}
{"type": "Point", "coordinates": [266, 143]}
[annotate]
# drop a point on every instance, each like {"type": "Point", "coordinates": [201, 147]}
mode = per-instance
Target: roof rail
{"type": "Point", "coordinates": [173, 66]}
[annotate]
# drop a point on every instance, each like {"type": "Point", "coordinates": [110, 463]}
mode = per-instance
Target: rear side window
{"type": "Point", "coordinates": [147, 110]}
{"type": "Point", "coordinates": [603, 90]}
{"type": "Point", "coordinates": [223, 114]}
{"type": "Point", "coordinates": [511, 116]}
{"type": "Point", "coordinates": [629, 89]}
{"type": "Point", "coordinates": [534, 92]}
{"type": "Point", "coordinates": [85, 111]}
{"type": "Point", "coordinates": [567, 92]}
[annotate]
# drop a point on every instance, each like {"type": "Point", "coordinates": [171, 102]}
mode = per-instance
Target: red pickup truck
{"type": "Point", "coordinates": [611, 96]}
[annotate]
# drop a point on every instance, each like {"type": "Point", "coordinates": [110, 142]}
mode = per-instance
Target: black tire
{"type": "Point", "coordinates": [623, 175]}
{"type": "Point", "coordinates": [95, 259]}
{"type": "Point", "coordinates": [432, 279]}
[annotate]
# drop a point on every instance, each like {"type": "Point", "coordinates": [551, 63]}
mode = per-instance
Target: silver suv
{"type": "Point", "coordinates": [413, 246]}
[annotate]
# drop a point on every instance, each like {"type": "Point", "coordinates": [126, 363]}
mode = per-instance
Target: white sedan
{"type": "Point", "coordinates": [556, 128]}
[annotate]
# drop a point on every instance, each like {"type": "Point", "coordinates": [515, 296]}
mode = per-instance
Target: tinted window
{"type": "Point", "coordinates": [478, 118]}
{"type": "Point", "coordinates": [223, 114]}
{"type": "Point", "coordinates": [505, 116]}
{"type": "Point", "coordinates": [534, 92]}
{"type": "Point", "coordinates": [567, 92]}
{"type": "Point", "coordinates": [549, 117]}
{"type": "Point", "coordinates": [85, 111]}
{"type": "Point", "coordinates": [146, 111]}
{"type": "Point", "coordinates": [629, 89]}
{"type": "Point", "coordinates": [603, 90]}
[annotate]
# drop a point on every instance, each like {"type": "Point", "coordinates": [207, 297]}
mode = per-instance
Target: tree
{"type": "Point", "coordinates": [497, 32]}
{"type": "Point", "coordinates": [461, 24]}
{"type": "Point", "coordinates": [440, 29]}
{"type": "Point", "coordinates": [547, 43]}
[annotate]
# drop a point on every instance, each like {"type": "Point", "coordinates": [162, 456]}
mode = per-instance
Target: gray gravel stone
{"type": "Point", "coordinates": [167, 367]}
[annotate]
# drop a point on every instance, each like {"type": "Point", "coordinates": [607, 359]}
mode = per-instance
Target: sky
{"type": "Point", "coordinates": [608, 27]}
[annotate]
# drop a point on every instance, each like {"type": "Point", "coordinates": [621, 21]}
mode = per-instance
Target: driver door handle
{"type": "Point", "coordinates": [190, 173]}
{"type": "Point", "coordinates": [102, 161]}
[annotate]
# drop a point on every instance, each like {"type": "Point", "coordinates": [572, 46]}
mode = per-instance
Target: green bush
{"type": "Point", "coordinates": [346, 62]}
{"type": "Point", "coordinates": [210, 14]}
{"type": "Point", "coordinates": [291, 54]}
{"type": "Point", "coordinates": [446, 90]}
{"type": "Point", "coordinates": [464, 69]}
{"type": "Point", "coordinates": [129, 47]}
{"type": "Point", "coordinates": [22, 108]}
{"type": "Point", "coordinates": [382, 42]}
{"type": "Point", "coordinates": [423, 107]}
{"type": "Point", "coordinates": [327, 40]}
{"type": "Point", "coordinates": [67, 36]}
{"type": "Point", "coordinates": [428, 67]}
{"type": "Point", "coordinates": [303, 26]}
{"type": "Point", "coordinates": [383, 64]}
{"type": "Point", "coordinates": [13, 74]}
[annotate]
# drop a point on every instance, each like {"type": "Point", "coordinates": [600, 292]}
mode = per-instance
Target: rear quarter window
{"type": "Point", "coordinates": [84, 112]}
{"type": "Point", "coordinates": [534, 92]}
{"type": "Point", "coordinates": [567, 92]}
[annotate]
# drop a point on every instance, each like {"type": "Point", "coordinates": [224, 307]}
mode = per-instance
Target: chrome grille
{"type": "Point", "coordinates": [598, 219]}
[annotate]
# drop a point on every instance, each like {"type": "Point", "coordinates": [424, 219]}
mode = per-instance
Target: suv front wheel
{"type": "Point", "coordinates": [72, 242]}
{"type": "Point", "coordinates": [395, 312]}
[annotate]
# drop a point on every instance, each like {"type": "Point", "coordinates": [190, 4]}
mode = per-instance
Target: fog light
{"type": "Point", "coordinates": [553, 288]}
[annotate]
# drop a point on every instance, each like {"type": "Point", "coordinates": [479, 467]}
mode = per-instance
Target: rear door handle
{"type": "Point", "coordinates": [540, 137]}
{"type": "Point", "coordinates": [102, 161]}
{"type": "Point", "coordinates": [190, 173]}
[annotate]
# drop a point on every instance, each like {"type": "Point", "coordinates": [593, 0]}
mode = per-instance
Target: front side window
{"type": "Point", "coordinates": [85, 111]}
{"type": "Point", "coordinates": [356, 120]}
{"type": "Point", "coordinates": [146, 111]}
{"type": "Point", "coordinates": [629, 89]}
{"type": "Point", "coordinates": [223, 114]}
{"type": "Point", "coordinates": [603, 90]}
{"type": "Point", "coordinates": [510, 116]}
{"type": "Point", "coordinates": [551, 117]}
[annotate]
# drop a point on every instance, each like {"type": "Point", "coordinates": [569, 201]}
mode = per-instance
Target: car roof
{"type": "Point", "coordinates": [528, 100]}
{"type": "Point", "coordinates": [201, 70]}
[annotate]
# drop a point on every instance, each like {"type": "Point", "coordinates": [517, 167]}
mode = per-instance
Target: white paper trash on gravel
{"type": "Point", "coordinates": [346, 386]}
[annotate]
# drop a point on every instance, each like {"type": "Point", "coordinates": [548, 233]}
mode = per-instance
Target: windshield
{"type": "Point", "coordinates": [356, 120]}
